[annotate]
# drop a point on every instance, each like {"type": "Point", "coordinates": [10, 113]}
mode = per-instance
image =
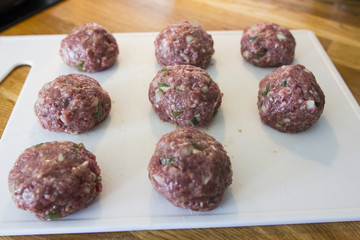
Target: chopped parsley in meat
{"type": "Point", "coordinates": [266, 91]}
{"type": "Point", "coordinates": [177, 113]}
{"type": "Point", "coordinates": [165, 161]}
{"type": "Point", "coordinates": [98, 114]}
{"type": "Point", "coordinates": [261, 54]}
{"type": "Point", "coordinates": [253, 38]}
{"type": "Point", "coordinates": [53, 215]}
{"type": "Point", "coordinates": [80, 67]}
{"type": "Point", "coordinates": [195, 121]}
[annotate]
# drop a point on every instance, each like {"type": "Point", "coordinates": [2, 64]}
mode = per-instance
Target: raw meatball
{"type": "Point", "coordinates": [190, 169]}
{"type": "Point", "coordinates": [184, 43]}
{"type": "Point", "coordinates": [268, 45]}
{"type": "Point", "coordinates": [72, 103]}
{"type": "Point", "coordinates": [90, 48]}
{"type": "Point", "coordinates": [185, 95]}
{"type": "Point", "coordinates": [55, 179]}
{"type": "Point", "coordinates": [289, 99]}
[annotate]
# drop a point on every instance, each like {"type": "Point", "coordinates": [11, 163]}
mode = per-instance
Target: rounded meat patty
{"type": "Point", "coordinates": [289, 99]}
{"type": "Point", "coordinates": [268, 45]}
{"type": "Point", "coordinates": [55, 179]}
{"type": "Point", "coordinates": [184, 43]}
{"type": "Point", "coordinates": [90, 48]}
{"type": "Point", "coordinates": [72, 103]}
{"type": "Point", "coordinates": [185, 95]}
{"type": "Point", "coordinates": [190, 169]}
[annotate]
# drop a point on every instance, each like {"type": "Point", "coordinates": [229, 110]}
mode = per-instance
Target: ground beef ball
{"type": "Point", "coordinates": [289, 99]}
{"type": "Point", "coordinates": [72, 103]}
{"type": "Point", "coordinates": [184, 43]}
{"type": "Point", "coordinates": [190, 169]}
{"type": "Point", "coordinates": [89, 47]}
{"type": "Point", "coordinates": [185, 95]}
{"type": "Point", "coordinates": [55, 179]}
{"type": "Point", "coordinates": [268, 45]}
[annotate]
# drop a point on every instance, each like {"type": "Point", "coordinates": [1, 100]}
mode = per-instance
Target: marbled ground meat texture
{"type": "Point", "coordinates": [184, 43]}
{"type": "Point", "coordinates": [89, 47]}
{"type": "Point", "coordinates": [289, 99]}
{"type": "Point", "coordinates": [268, 45]}
{"type": "Point", "coordinates": [55, 179]}
{"type": "Point", "coordinates": [190, 169]}
{"type": "Point", "coordinates": [185, 95]}
{"type": "Point", "coordinates": [72, 103]}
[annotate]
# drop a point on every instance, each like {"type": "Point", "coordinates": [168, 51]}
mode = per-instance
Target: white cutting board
{"type": "Point", "coordinates": [279, 178]}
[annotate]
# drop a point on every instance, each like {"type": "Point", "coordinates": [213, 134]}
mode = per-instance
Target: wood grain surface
{"type": "Point", "coordinates": [336, 23]}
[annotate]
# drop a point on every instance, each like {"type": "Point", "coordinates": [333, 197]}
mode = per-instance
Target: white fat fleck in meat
{"type": "Point", "coordinates": [213, 147]}
{"type": "Point", "coordinates": [205, 78]}
{"type": "Point", "coordinates": [204, 89]}
{"type": "Point", "coordinates": [71, 54]}
{"type": "Point", "coordinates": [286, 120]}
{"type": "Point", "coordinates": [84, 164]}
{"type": "Point", "coordinates": [158, 95]}
{"type": "Point", "coordinates": [195, 151]}
{"type": "Point", "coordinates": [310, 104]}
{"type": "Point", "coordinates": [27, 195]}
{"type": "Point", "coordinates": [159, 180]}
{"type": "Point", "coordinates": [206, 179]}
{"type": "Point", "coordinates": [246, 54]}
{"type": "Point", "coordinates": [86, 190]}
{"type": "Point", "coordinates": [60, 157]}
{"type": "Point", "coordinates": [263, 108]}
{"type": "Point", "coordinates": [164, 43]}
{"type": "Point", "coordinates": [95, 102]}
{"type": "Point", "coordinates": [189, 38]}
{"type": "Point", "coordinates": [280, 36]}
{"type": "Point", "coordinates": [62, 119]}
{"type": "Point", "coordinates": [186, 151]}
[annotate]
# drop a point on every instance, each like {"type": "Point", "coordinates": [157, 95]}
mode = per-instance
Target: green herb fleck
{"type": "Point", "coordinates": [165, 161]}
{"type": "Point", "coordinates": [261, 54]}
{"type": "Point", "coordinates": [179, 90]}
{"type": "Point", "coordinates": [195, 121]}
{"type": "Point", "coordinates": [74, 149]}
{"type": "Point", "coordinates": [162, 84]}
{"type": "Point", "coordinates": [163, 87]}
{"type": "Point", "coordinates": [317, 104]}
{"type": "Point", "coordinates": [97, 179]}
{"type": "Point", "coordinates": [197, 146]}
{"type": "Point", "coordinates": [253, 38]}
{"type": "Point", "coordinates": [79, 145]}
{"type": "Point", "coordinates": [283, 83]}
{"type": "Point", "coordinates": [38, 145]}
{"type": "Point", "coordinates": [98, 114]}
{"type": "Point", "coordinates": [53, 215]}
{"type": "Point", "coordinates": [261, 102]}
{"type": "Point", "coordinates": [215, 112]}
{"type": "Point", "coordinates": [177, 113]}
{"type": "Point", "coordinates": [211, 53]}
{"type": "Point", "coordinates": [80, 67]}
{"type": "Point", "coordinates": [266, 91]}
{"type": "Point", "coordinates": [163, 69]}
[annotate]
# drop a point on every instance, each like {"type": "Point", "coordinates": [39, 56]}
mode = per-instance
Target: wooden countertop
{"type": "Point", "coordinates": [336, 23]}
